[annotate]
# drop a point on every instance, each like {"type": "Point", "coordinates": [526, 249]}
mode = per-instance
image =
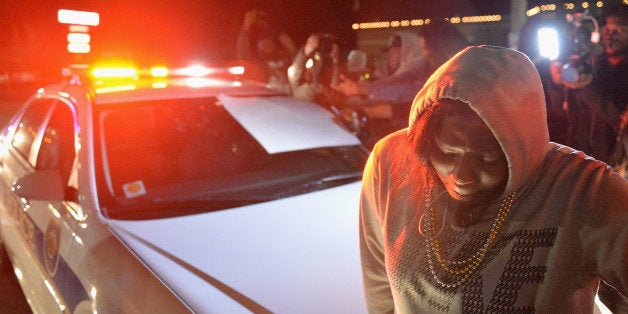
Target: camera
{"type": "Point", "coordinates": [573, 45]}
{"type": "Point", "coordinates": [325, 43]}
{"type": "Point", "coordinates": [319, 63]}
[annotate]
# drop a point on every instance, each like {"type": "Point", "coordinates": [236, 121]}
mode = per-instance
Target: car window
{"type": "Point", "coordinates": [57, 150]}
{"type": "Point", "coordinates": [191, 155]}
{"type": "Point", "coordinates": [29, 125]}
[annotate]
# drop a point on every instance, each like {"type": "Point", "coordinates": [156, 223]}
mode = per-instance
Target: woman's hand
{"type": "Point", "coordinates": [311, 44]}
{"type": "Point", "coordinates": [349, 87]}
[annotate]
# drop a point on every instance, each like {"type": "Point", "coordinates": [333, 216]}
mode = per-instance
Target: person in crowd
{"type": "Point", "coordinates": [593, 105]}
{"type": "Point", "coordinates": [395, 82]}
{"type": "Point", "coordinates": [472, 209]}
{"type": "Point", "coordinates": [528, 43]}
{"type": "Point", "coordinates": [315, 69]}
{"type": "Point", "coordinates": [357, 67]}
{"type": "Point", "coordinates": [439, 41]}
{"type": "Point", "coordinates": [268, 53]}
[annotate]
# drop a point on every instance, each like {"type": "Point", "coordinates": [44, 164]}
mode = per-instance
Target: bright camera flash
{"type": "Point", "coordinates": [548, 43]}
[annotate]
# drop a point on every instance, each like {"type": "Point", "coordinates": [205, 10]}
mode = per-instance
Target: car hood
{"type": "Point", "coordinates": [295, 255]}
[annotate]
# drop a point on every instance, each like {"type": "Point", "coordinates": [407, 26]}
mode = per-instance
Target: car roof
{"type": "Point", "coordinates": [171, 88]}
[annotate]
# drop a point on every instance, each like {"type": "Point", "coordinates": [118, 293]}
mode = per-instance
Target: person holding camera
{"type": "Point", "coordinates": [268, 52]}
{"type": "Point", "coordinates": [315, 69]}
{"type": "Point", "coordinates": [593, 101]}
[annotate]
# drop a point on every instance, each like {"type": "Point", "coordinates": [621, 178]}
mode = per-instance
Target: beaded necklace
{"type": "Point", "coordinates": [457, 270]}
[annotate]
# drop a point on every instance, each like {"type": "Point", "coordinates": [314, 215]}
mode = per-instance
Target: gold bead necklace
{"type": "Point", "coordinates": [461, 269]}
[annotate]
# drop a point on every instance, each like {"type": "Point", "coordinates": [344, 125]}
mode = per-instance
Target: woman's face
{"type": "Point", "coordinates": [468, 160]}
{"type": "Point", "coordinates": [393, 59]}
{"type": "Point", "coordinates": [424, 50]}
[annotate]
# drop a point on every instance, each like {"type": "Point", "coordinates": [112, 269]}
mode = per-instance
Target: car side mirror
{"type": "Point", "coordinates": [40, 185]}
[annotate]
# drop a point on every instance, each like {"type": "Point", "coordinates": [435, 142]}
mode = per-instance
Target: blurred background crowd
{"type": "Point", "coordinates": [359, 57]}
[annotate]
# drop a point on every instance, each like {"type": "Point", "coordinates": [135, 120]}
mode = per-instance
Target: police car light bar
{"type": "Point", "coordinates": [237, 70]}
{"type": "Point", "coordinates": [130, 72]}
{"type": "Point", "coordinates": [78, 17]}
{"type": "Point", "coordinates": [114, 72]}
{"type": "Point", "coordinates": [159, 71]}
{"type": "Point", "coordinates": [202, 71]}
{"type": "Point", "coordinates": [195, 71]}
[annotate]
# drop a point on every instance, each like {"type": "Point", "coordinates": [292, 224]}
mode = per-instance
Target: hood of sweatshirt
{"type": "Point", "coordinates": [504, 88]}
{"type": "Point", "coordinates": [411, 55]}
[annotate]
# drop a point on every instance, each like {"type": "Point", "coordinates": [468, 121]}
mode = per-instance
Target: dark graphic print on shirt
{"type": "Point", "coordinates": [510, 272]}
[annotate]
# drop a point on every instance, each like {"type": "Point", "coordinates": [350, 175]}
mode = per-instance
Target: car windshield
{"type": "Point", "coordinates": [167, 158]}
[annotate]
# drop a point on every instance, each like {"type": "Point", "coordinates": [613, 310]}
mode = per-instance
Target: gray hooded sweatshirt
{"type": "Point", "coordinates": [566, 229]}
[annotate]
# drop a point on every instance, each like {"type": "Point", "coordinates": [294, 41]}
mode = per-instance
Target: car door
{"type": "Point", "coordinates": [39, 172]}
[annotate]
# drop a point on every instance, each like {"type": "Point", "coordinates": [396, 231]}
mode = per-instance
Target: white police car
{"type": "Point", "coordinates": [168, 195]}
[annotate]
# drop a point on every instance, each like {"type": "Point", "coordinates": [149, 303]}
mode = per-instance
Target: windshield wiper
{"type": "Point", "coordinates": [320, 183]}
{"type": "Point", "coordinates": [162, 208]}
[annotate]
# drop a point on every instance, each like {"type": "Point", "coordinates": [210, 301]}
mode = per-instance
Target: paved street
{"type": "Point", "coordinates": [11, 298]}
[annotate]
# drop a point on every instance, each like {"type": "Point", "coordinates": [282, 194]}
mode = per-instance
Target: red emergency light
{"type": "Point", "coordinates": [78, 17]}
{"type": "Point", "coordinates": [78, 37]}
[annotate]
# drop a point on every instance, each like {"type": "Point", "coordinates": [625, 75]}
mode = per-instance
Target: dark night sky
{"type": "Point", "coordinates": [185, 30]}
{"type": "Point", "coordinates": [156, 30]}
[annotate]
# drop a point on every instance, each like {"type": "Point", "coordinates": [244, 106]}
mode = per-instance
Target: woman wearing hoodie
{"type": "Point", "coordinates": [472, 209]}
